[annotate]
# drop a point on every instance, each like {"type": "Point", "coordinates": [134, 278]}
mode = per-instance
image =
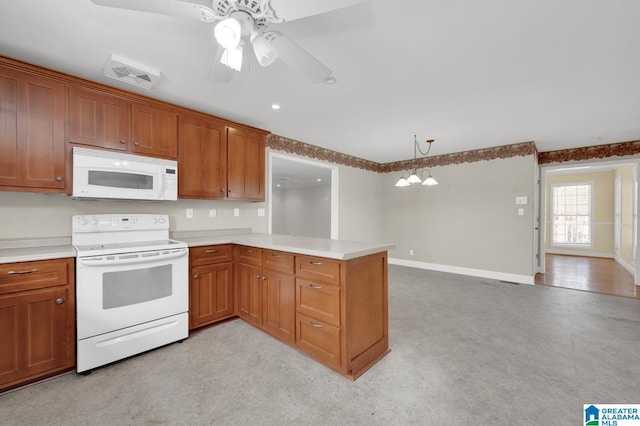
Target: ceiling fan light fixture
{"type": "Point", "coordinates": [232, 58]}
{"type": "Point", "coordinates": [265, 53]}
{"type": "Point", "coordinates": [228, 33]}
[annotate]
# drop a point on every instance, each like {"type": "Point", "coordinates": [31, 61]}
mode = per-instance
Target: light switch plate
{"type": "Point", "coordinates": [213, 212]}
{"type": "Point", "coordinates": [236, 212]}
{"type": "Point", "coordinates": [522, 200]}
{"type": "Point", "coordinates": [260, 212]}
{"type": "Point", "coordinates": [189, 213]}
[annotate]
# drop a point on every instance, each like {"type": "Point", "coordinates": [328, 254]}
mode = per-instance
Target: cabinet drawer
{"type": "Point", "coordinates": [210, 254]}
{"type": "Point", "coordinates": [248, 255]}
{"type": "Point", "coordinates": [318, 268]}
{"type": "Point", "coordinates": [33, 275]}
{"type": "Point", "coordinates": [318, 300]}
{"type": "Point", "coordinates": [278, 261]}
{"type": "Point", "coordinates": [319, 340]}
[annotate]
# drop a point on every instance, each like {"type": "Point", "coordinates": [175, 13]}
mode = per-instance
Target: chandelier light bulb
{"type": "Point", "coordinates": [414, 178]}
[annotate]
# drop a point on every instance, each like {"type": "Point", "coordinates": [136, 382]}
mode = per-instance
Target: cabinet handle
{"type": "Point", "coordinates": [211, 251]}
{"type": "Point", "coordinates": [196, 276]}
{"type": "Point", "coordinates": [59, 178]}
{"type": "Point", "coordinates": [123, 141]}
{"type": "Point", "coordinates": [276, 256]}
{"type": "Point", "coordinates": [30, 271]}
{"type": "Point", "coordinates": [315, 287]}
{"type": "Point", "coordinates": [59, 301]}
{"type": "Point", "coordinates": [248, 251]}
{"type": "Point", "coordinates": [311, 262]}
{"type": "Point", "coordinates": [136, 143]}
{"type": "Point", "coordinates": [315, 324]}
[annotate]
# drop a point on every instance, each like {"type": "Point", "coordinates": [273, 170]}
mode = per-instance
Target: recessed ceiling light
{"type": "Point", "coordinates": [275, 106]}
{"type": "Point", "coordinates": [329, 80]}
{"type": "Point", "coordinates": [319, 180]}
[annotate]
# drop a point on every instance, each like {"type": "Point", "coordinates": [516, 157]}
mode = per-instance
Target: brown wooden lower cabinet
{"type": "Point", "coordinates": [335, 311]}
{"type": "Point", "coordinates": [36, 320]}
{"type": "Point", "coordinates": [211, 292]}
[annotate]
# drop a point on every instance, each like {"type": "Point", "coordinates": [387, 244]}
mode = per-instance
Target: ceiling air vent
{"type": "Point", "coordinates": [130, 72]}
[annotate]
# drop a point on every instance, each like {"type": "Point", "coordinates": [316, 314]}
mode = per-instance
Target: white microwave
{"type": "Point", "coordinates": [114, 175]}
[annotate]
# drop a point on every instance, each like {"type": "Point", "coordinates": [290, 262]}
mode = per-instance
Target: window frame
{"type": "Point", "coordinates": [553, 215]}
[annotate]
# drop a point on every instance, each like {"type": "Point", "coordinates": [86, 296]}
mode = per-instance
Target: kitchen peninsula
{"type": "Point", "coordinates": [326, 298]}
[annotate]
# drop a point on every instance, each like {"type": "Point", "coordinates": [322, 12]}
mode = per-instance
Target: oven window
{"type": "Point", "coordinates": [120, 180]}
{"type": "Point", "coordinates": [136, 286]}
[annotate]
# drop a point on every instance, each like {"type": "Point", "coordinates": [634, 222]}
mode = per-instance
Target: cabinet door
{"type": "Point", "coordinates": [32, 120]}
{"type": "Point", "coordinates": [245, 164]}
{"type": "Point", "coordinates": [211, 294]}
{"type": "Point", "coordinates": [154, 131]}
{"type": "Point", "coordinates": [34, 333]}
{"type": "Point", "coordinates": [279, 306]}
{"type": "Point", "coordinates": [202, 158]}
{"type": "Point", "coordinates": [250, 283]}
{"type": "Point", "coordinates": [98, 119]}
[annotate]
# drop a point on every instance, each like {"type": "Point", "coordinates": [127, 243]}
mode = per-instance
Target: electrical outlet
{"type": "Point", "coordinates": [236, 212]}
{"type": "Point", "coordinates": [520, 212]}
{"type": "Point", "coordinates": [189, 213]}
{"type": "Point", "coordinates": [213, 213]}
{"type": "Point", "coordinates": [260, 212]}
{"type": "Point", "coordinates": [410, 252]}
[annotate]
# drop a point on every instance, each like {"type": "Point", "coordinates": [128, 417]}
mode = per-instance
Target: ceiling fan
{"type": "Point", "coordinates": [240, 24]}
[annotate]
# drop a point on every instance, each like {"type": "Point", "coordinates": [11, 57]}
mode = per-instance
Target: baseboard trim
{"type": "Point", "coordinates": [625, 265]}
{"type": "Point", "coordinates": [569, 252]}
{"type": "Point", "coordinates": [481, 273]}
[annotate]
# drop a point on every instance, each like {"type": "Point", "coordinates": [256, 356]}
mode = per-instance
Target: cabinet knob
{"type": "Point", "coordinates": [136, 143]}
{"type": "Point", "coordinates": [59, 301]}
{"type": "Point", "coordinates": [59, 178]}
{"type": "Point", "coordinates": [123, 141]}
{"type": "Point", "coordinates": [196, 276]}
{"type": "Point", "coordinates": [258, 276]}
{"type": "Point", "coordinates": [264, 278]}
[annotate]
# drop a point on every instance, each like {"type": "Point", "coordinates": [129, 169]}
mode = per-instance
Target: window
{"type": "Point", "coordinates": [571, 214]}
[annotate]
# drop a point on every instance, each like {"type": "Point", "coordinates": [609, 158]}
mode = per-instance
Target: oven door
{"type": "Point", "coordinates": [122, 290]}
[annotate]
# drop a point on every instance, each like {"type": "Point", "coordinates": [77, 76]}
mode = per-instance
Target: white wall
{"type": "Point", "coordinates": [302, 211]}
{"type": "Point", "coordinates": [27, 215]}
{"type": "Point", "coordinates": [361, 205]}
{"type": "Point", "coordinates": [469, 223]}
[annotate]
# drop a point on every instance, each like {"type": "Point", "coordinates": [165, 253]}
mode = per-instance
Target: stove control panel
{"type": "Point", "coordinates": [119, 222]}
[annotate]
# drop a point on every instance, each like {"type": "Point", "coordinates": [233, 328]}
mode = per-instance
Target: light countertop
{"type": "Point", "coordinates": [322, 247]}
{"type": "Point", "coordinates": [26, 250]}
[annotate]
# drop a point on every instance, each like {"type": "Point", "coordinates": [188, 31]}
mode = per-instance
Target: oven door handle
{"type": "Point", "coordinates": [130, 258]}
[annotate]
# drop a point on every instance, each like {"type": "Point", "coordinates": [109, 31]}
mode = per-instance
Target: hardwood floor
{"type": "Point", "coordinates": [593, 274]}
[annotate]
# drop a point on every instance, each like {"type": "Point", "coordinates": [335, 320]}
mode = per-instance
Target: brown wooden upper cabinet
{"type": "Point", "coordinates": [32, 124]}
{"type": "Point", "coordinates": [107, 121]}
{"type": "Point", "coordinates": [202, 157]}
{"type": "Point", "coordinates": [245, 164]}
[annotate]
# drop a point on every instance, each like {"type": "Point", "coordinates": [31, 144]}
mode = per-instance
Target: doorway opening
{"type": "Point", "coordinates": [302, 197]}
{"type": "Point", "coordinates": [588, 227]}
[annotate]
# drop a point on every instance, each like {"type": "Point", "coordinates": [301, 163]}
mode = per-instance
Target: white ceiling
{"type": "Point", "coordinates": [469, 74]}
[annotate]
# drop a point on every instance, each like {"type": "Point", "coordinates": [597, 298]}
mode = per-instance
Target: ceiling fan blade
{"type": "Point", "coordinates": [297, 58]}
{"type": "Point", "coordinates": [192, 9]}
{"type": "Point", "coordinates": [296, 9]}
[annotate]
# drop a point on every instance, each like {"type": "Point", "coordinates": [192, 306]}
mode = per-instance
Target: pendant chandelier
{"type": "Point", "coordinates": [415, 175]}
